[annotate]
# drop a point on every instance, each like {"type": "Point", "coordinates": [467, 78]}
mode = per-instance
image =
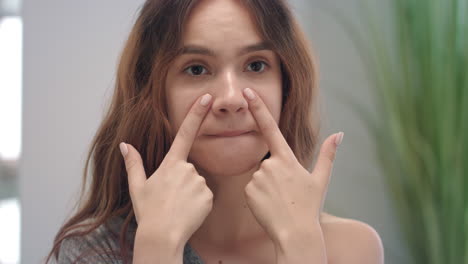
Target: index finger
{"type": "Point", "coordinates": [267, 124]}
{"type": "Point", "coordinates": [188, 130]}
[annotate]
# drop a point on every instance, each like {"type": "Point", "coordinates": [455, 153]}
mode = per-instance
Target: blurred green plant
{"type": "Point", "coordinates": [416, 53]}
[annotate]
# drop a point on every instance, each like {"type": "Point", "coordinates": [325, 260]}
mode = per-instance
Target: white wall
{"type": "Point", "coordinates": [70, 53]}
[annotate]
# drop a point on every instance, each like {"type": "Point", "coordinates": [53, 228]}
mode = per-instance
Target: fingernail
{"type": "Point", "coordinates": [249, 93]}
{"type": "Point", "coordinates": [205, 99]}
{"type": "Point", "coordinates": [339, 138]}
{"type": "Point", "coordinates": [123, 149]}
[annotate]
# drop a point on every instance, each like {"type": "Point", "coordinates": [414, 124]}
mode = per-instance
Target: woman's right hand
{"type": "Point", "coordinates": [175, 200]}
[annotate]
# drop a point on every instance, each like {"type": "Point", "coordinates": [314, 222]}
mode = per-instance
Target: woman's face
{"type": "Point", "coordinates": [217, 61]}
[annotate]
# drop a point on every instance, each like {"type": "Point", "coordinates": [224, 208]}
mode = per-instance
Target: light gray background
{"type": "Point", "coordinates": [70, 53]}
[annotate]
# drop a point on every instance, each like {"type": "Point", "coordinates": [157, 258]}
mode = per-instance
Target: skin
{"type": "Point", "coordinates": [226, 163]}
{"type": "Point", "coordinates": [249, 211]}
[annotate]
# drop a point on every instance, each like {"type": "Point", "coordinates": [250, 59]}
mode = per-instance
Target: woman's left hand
{"type": "Point", "coordinates": [283, 196]}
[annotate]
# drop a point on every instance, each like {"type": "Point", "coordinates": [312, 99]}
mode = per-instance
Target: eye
{"type": "Point", "coordinates": [257, 66]}
{"type": "Point", "coordinates": [195, 70]}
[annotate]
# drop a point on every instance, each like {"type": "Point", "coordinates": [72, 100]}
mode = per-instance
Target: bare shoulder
{"type": "Point", "coordinates": [351, 241]}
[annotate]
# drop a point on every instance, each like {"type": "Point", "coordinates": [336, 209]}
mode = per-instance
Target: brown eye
{"type": "Point", "coordinates": [195, 70]}
{"type": "Point", "coordinates": [257, 66]}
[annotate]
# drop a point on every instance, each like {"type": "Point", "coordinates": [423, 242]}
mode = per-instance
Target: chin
{"type": "Point", "coordinates": [227, 157]}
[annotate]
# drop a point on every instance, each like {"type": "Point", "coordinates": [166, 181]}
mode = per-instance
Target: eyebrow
{"type": "Point", "coordinates": [196, 49]}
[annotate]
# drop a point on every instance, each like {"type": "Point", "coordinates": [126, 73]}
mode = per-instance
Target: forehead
{"type": "Point", "coordinates": [220, 21]}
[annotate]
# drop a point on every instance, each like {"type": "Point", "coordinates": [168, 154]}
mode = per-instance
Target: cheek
{"type": "Point", "coordinates": [273, 101]}
{"type": "Point", "coordinates": [171, 109]}
{"type": "Point", "coordinates": [176, 101]}
{"type": "Point", "coordinates": [271, 92]}
{"type": "Point", "coordinates": [177, 110]}
{"type": "Point", "coordinates": [180, 99]}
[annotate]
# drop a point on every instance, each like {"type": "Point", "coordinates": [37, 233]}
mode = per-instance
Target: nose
{"type": "Point", "coordinates": [228, 98]}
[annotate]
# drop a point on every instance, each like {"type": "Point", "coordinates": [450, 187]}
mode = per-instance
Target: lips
{"type": "Point", "coordinates": [231, 133]}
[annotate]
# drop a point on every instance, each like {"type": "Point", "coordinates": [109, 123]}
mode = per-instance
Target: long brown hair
{"type": "Point", "coordinates": [138, 112]}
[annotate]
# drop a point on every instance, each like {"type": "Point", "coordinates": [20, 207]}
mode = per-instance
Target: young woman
{"type": "Point", "coordinates": [205, 153]}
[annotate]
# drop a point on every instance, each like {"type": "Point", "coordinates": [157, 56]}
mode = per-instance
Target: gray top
{"type": "Point", "coordinates": [97, 246]}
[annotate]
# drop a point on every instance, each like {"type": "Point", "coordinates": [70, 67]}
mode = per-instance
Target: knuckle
{"type": "Point", "coordinates": [184, 131]}
{"type": "Point", "coordinates": [266, 165]}
{"type": "Point", "coordinates": [168, 161]}
{"type": "Point", "coordinates": [330, 155]}
{"type": "Point", "coordinates": [255, 104]}
{"type": "Point", "coordinates": [210, 193]}
{"type": "Point", "coordinates": [191, 168]}
{"type": "Point", "coordinates": [201, 179]}
{"type": "Point", "coordinates": [210, 200]}
{"type": "Point", "coordinates": [257, 175]}
{"type": "Point", "coordinates": [198, 111]}
{"type": "Point", "coordinates": [290, 162]}
{"type": "Point", "coordinates": [282, 155]}
{"type": "Point", "coordinates": [267, 162]}
{"type": "Point", "coordinates": [131, 164]}
{"type": "Point", "coordinates": [248, 190]}
{"type": "Point", "coordinates": [268, 125]}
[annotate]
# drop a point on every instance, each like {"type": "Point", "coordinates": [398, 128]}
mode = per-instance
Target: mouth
{"type": "Point", "coordinates": [230, 134]}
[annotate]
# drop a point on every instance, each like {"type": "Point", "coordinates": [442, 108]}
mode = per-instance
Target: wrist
{"type": "Point", "coordinates": [299, 237]}
{"type": "Point", "coordinates": [151, 246]}
{"type": "Point", "coordinates": [159, 238]}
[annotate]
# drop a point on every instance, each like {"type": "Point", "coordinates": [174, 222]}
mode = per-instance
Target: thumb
{"type": "Point", "coordinates": [324, 166]}
{"type": "Point", "coordinates": [134, 166]}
